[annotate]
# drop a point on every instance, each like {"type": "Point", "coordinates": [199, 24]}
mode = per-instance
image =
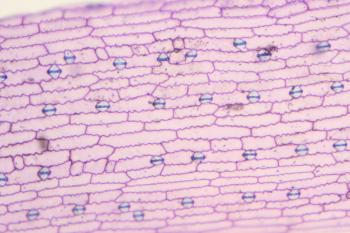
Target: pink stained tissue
{"type": "Point", "coordinates": [169, 116]}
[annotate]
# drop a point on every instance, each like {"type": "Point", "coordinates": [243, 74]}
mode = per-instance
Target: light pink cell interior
{"type": "Point", "coordinates": [207, 116]}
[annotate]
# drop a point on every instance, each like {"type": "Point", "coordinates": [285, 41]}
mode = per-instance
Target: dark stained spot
{"type": "Point", "coordinates": [272, 48]}
{"type": "Point", "coordinates": [43, 143]}
{"type": "Point", "coordinates": [269, 49]}
{"type": "Point", "coordinates": [234, 106]}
